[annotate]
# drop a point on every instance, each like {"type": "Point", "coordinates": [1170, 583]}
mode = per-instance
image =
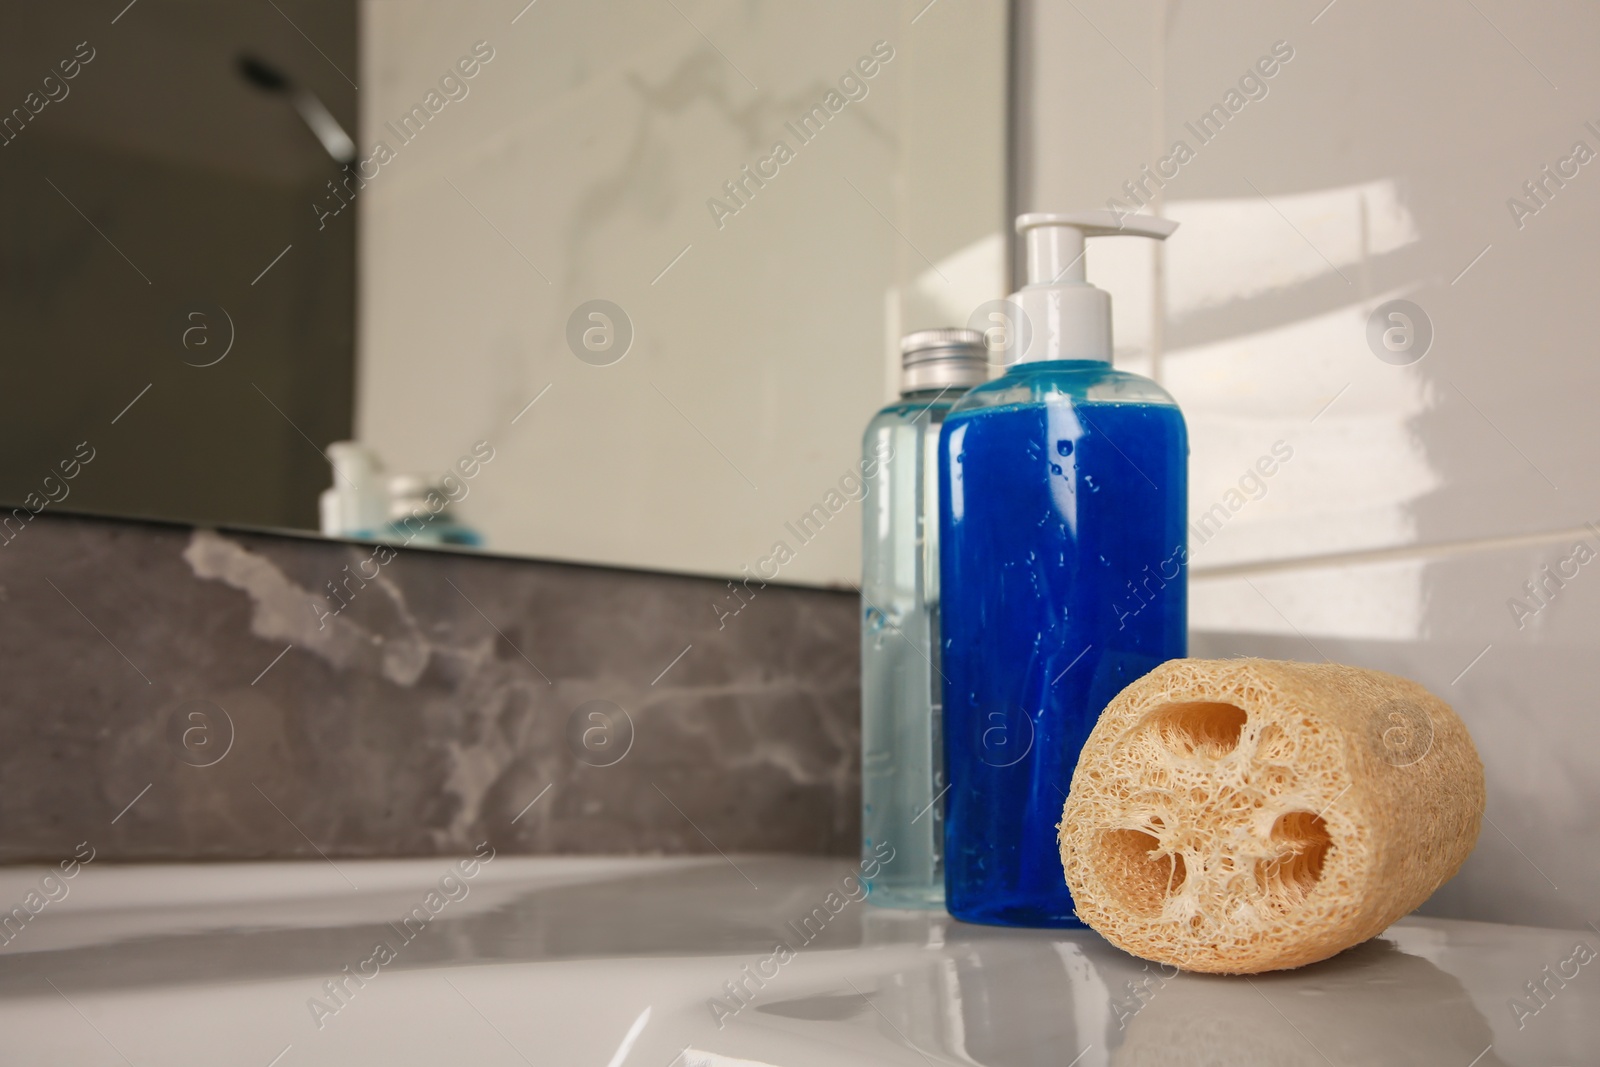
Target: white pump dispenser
{"type": "Point", "coordinates": [1069, 318]}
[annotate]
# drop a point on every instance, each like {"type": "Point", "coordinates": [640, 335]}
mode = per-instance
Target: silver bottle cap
{"type": "Point", "coordinates": [947, 358]}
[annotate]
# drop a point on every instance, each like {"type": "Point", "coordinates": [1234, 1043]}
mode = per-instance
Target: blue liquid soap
{"type": "Point", "coordinates": [1063, 566]}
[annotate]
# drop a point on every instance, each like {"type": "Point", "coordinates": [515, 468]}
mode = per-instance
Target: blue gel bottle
{"type": "Point", "coordinates": [1063, 559]}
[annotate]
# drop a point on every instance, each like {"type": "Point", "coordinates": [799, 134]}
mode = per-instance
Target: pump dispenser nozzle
{"type": "Point", "coordinates": [1070, 318]}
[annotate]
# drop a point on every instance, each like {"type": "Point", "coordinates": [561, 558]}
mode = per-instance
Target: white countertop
{"type": "Point", "coordinates": [625, 961]}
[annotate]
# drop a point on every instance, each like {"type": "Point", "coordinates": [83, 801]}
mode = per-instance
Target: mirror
{"type": "Point", "coordinates": [615, 283]}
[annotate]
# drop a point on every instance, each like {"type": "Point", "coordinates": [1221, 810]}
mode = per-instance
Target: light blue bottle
{"type": "Point", "coordinates": [902, 759]}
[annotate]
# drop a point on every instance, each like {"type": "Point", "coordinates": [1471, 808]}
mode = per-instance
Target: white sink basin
{"type": "Point", "coordinates": [630, 961]}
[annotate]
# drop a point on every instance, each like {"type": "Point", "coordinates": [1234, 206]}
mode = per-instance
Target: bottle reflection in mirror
{"type": "Point", "coordinates": [403, 510]}
{"type": "Point", "coordinates": [367, 504]}
{"type": "Point", "coordinates": [413, 517]}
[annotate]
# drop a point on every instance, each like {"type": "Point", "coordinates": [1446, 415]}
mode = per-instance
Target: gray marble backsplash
{"type": "Point", "coordinates": [191, 693]}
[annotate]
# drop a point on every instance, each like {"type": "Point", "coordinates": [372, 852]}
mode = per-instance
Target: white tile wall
{"type": "Point", "coordinates": [1523, 679]}
{"type": "Point", "coordinates": [1376, 163]}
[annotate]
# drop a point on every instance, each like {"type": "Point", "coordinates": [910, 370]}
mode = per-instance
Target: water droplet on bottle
{"type": "Point", "coordinates": [1055, 468]}
{"type": "Point", "coordinates": [1063, 448]}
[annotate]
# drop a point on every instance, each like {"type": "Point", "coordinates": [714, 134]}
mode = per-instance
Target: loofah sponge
{"type": "Point", "coordinates": [1236, 816]}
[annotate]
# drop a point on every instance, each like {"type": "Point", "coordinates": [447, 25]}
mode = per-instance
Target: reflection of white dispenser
{"type": "Point", "coordinates": [357, 504]}
{"type": "Point", "coordinates": [1069, 318]}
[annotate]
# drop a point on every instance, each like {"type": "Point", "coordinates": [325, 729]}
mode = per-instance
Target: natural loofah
{"type": "Point", "coordinates": [1236, 816]}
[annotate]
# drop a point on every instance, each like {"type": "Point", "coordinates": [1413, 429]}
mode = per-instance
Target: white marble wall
{"type": "Point", "coordinates": [1375, 164]}
{"type": "Point", "coordinates": [579, 166]}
